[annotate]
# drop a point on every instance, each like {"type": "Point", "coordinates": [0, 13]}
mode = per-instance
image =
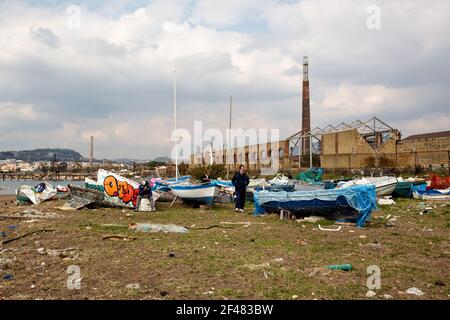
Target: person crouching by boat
{"type": "Point", "coordinates": [145, 191]}
{"type": "Point", "coordinates": [240, 182]}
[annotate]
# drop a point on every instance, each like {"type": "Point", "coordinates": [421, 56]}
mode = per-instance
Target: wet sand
{"type": "Point", "coordinates": [7, 200]}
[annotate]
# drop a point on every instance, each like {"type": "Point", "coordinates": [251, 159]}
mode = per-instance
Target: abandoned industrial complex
{"type": "Point", "coordinates": [356, 145]}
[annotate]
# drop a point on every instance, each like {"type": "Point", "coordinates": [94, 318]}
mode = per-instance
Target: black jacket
{"type": "Point", "coordinates": [145, 190]}
{"type": "Point", "coordinates": [240, 181]}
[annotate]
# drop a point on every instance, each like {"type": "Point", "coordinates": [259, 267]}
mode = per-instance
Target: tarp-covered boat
{"type": "Point", "coordinates": [313, 175]}
{"type": "Point", "coordinates": [354, 203]}
{"type": "Point", "coordinates": [197, 194]}
{"type": "Point", "coordinates": [432, 194]}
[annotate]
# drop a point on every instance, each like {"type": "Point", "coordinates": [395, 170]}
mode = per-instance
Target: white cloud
{"type": "Point", "coordinates": [113, 77]}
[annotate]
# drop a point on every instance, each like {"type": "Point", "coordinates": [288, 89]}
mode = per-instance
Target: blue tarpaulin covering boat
{"type": "Point", "coordinates": [354, 203]}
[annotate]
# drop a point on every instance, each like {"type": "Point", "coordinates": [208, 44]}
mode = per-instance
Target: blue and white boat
{"type": "Point", "coordinates": [196, 193]}
{"type": "Point", "coordinates": [354, 203]}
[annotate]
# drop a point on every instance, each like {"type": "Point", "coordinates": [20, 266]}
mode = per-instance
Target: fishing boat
{"type": "Point", "coordinates": [384, 186]}
{"type": "Point", "coordinates": [197, 194]}
{"type": "Point", "coordinates": [405, 188]}
{"type": "Point", "coordinates": [353, 203]}
{"type": "Point", "coordinates": [432, 194]}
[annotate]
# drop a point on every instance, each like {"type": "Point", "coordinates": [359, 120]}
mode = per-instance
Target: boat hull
{"type": "Point", "coordinates": [198, 194]}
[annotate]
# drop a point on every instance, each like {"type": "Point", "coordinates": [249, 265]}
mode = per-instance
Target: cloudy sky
{"type": "Point", "coordinates": [110, 75]}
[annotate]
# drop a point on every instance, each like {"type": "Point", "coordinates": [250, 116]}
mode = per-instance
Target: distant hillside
{"type": "Point", "coordinates": [42, 155]}
{"type": "Point", "coordinates": [166, 160]}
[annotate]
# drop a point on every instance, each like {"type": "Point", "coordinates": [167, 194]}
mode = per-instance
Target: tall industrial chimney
{"type": "Point", "coordinates": [91, 153]}
{"type": "Point", "coordinates": [306, 118]}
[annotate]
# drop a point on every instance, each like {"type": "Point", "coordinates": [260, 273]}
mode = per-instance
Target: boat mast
{"type": "Point", "coordinates": [229, 138]}
{"type": "Point", "coordinates": [175, 121]}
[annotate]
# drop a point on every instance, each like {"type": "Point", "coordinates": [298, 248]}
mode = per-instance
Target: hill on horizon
{"type": "Point", "coordinates": [46, 154]}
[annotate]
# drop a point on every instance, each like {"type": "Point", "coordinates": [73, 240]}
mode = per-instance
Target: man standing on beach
{"type": "Point", "coordinates": [240, 182]}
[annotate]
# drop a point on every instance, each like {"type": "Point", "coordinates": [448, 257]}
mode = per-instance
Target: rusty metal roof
{"type": "Point", "coordinates": [441, 134]}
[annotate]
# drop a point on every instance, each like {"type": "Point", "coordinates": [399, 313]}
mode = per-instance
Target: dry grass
{"type": "Point", "coordinates": [270, 259]}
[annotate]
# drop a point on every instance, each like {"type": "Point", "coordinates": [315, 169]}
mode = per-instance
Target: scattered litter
{"type": "Point", "coordinates": [376, 245]}
{"type": "Point", "coordinates": [61, 253]}
{"type": "Point", "coordinates": [279, 260]}
{"type": "Point", "coordinates": [166, 228]}
{"type": "Point", "coordinates": [387, 200]}
{"type": "Point", "coordinates": [387, 296]}
{"type": "Point", "coordinates": [257, 266]}
{"type": "Point", "coordinates": [312, 219]}
{"type": "Point", "coordinates": [371, 294]}
{"type": "Point", "coordinates": [295, 296]}
{"type": "Point", "coordinates": [344, 267]}
{"type": "Point", "coordinates": [118, 237]}
{"type": "Point", "coordinates": [321, 270]}
{"type": "Point", "coordinates": [26, 234]}
{"type": "Point", "coordinates": [362, 236]}
{"type": "Point", "coordinates": [36, 214]}
{"type": "Point", "coordinates": [326, 229]}
{"type": "Point", "coordinates": [133, 286]}
{"type": "Point", "coordinates": [5, 263]}
{"type": "Point", "coordinates": [439, 283]}
{"type": "Point", "coordinates": [209, 227]}
{"type": "Point", "coordinates": [171, 255]}
{"type": "Point", "coordinates": [8, 277]}
{"type": "Point", "coordinates": [415, 291]}
{"type": "Point", "coordinates": [208, 292]}
{"type": "Point", "coordinates": [244, 223]}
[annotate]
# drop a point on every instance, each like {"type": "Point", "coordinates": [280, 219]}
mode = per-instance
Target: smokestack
{"type": "Point", "coordinates": [306, 118]}
{"type": "Point", "coordinates": [91, 153]}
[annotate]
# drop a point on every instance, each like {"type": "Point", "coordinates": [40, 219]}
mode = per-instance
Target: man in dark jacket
{"type": "Point", "coordinates": [240, 182]}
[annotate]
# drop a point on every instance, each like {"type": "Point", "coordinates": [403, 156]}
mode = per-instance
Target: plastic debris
{"type": "Point", "coordinates": [326, 229]}
{"type": "Point", "coordinates": [371, 294]}
{"type": "Point", "coordinates": [344, 267]}
{"type": "Point", "coordinates": [149, 227]}
{"type": "Point", "coordinates": [62, 253]}
{"type": "Point", "coordinates": [8, 277]}
{"type": "Point", "coordinates": [133, 286]}
{"type": "Point", "coordinates": [415, 291]}
{"type": "Point", "coordinates": [35, 214]}
{"type": "Point", "coordinates": [385, 201]}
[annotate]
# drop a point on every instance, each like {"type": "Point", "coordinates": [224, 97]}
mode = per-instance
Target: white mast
{"type": "Point", "coordinates": [175, 121]}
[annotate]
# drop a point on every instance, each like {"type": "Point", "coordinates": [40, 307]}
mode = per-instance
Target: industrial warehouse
{"type": "Point", "coordinates": [368, 144]}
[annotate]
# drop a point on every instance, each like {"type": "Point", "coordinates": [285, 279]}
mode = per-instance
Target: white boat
{"type": "Point", "coordinates": [384, 186]}
{"type": "Point", "coordinates": [433, 194]}
{"type": "Point", "coordinates": [198, 194]}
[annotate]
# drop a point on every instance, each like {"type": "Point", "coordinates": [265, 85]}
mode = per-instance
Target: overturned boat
{"type": "Point", "coordinates": [197, 193]}
{"type": "Point", "coordinates": [354, 203]}
{"type": "Point", "coordinates": [36, 195]}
